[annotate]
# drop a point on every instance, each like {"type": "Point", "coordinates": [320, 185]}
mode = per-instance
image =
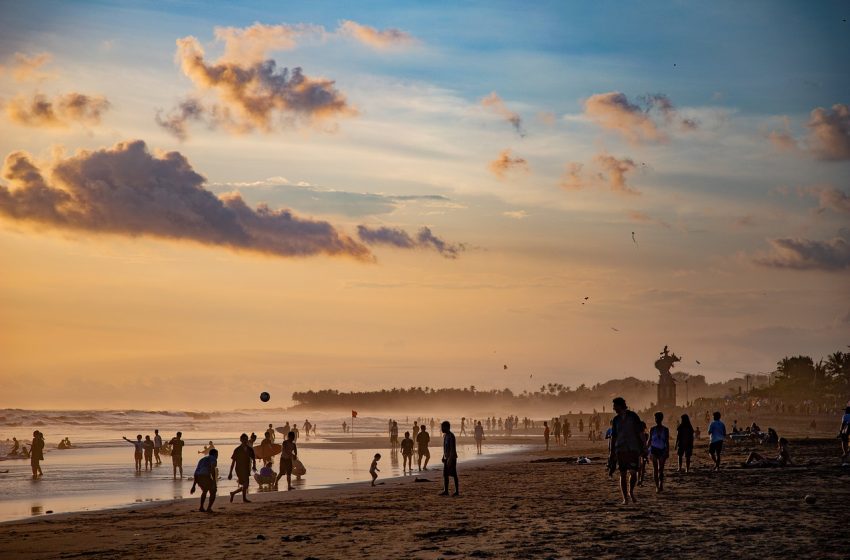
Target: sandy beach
{"type": "Point", "coordinates": [533, 505]}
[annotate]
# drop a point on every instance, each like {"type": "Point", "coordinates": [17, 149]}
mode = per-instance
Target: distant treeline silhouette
{"type": "Point", "coordinates": [800, 378]}
{"type": "Point", "coordinates": [639, 392]}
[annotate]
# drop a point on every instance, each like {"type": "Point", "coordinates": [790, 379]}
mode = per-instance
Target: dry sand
{"type": "Point", "coordinates": [521, 507]}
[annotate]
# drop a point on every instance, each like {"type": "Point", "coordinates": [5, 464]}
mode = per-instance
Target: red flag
{"type": "Point", "coordinates": [354, 414]}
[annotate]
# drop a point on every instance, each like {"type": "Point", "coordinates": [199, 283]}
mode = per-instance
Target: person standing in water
{"type": "Point", "coordinates": [157, 445]}
{"type": "Point", "coordinates": [449, 459]}
{"type": "Point", "coordinates": [406, 453]}
{"type": "Point", "coordinates": [205, 478]}
{"type": "Point", "coordinates": [685, 442]}
{"type": "Point", "coordinates": [626, 447]}
{"type": "Point", "coordinates": [659, 450]}
{"type": "Point", "coordinates": [137, 454]}
{"type": "Point", "coordinates": [546, 434]}
{"type": "Point", "coordinates": [147, 445]}
{"type": "Point", "coordinates": [287, 457]}
{"type": "Point", "coordinates": [422, 441]}
{"type": "Point", "coordinates": [479, 436]}
{"type": "Point", "coordinates": [177, 454]}
{"type": "Point", "coordinates": [394, 435]}
{"type": "Point", "coordinates": [37, 454]}
{"type": "Point", "coordinates": [717, 433]}
{"type": "Point", "coordinates": [244, 460]}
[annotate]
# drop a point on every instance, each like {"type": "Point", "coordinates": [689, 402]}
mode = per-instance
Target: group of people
{"type": "Point", "coordinates": [150, 450]}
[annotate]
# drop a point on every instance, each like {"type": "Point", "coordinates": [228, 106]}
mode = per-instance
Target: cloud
{"type": "Point", "coordinates": [505, 162]}
{"type": "Point", "coordinates": [636, 123]}
{"type": "Point", "coordinates": [747, 220]}
{"type": "Point", "coordinates": [516, 214]}
{"type": "Point", "coordinates": [176, 120]}
{"type": "Point", "coordinates": [60, 112]}
{"type": "Point", "coordinates": [829, 132]}
{"type": "Point", "coordinates": [572, 179]}
{"type": "Point", "coordinates": [547, 117]}
{"type": "Point", "coordinates": [250, 45]}
{"type": "Point", "coordinates": [252, 94]}
{"type": "Point", "coordinates": [614, 172]}
{"type": "Point", "coordinates": [496, 105]}
{"type": "Point", "coordinates": [24, 68]}
{"type": "Point", "coordinates": [125, 190]}
{"type": "Point", "coordinates": [807, 254]}
{"type": "Point", "coordinates": [399, 238]}
{"type": "Point", "coordinates": [643, 217]}
{"type": "Point", "coordinates": [829, 198]}
{"type": "Point", "coordinates": [377, 39]}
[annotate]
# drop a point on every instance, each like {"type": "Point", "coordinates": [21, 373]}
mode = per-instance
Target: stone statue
{"type": "Point", "coordinates": [666, 383]}
{"type": "Point", "coordinates": [665, 362]}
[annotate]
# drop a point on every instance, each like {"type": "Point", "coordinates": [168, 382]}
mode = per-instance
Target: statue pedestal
{"type": "Point", "coordinates": [666, 391]}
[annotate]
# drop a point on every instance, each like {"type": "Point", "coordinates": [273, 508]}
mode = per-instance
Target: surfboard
{"type": "Point", "coordinates": [280, 430]}
{"type": "Point", "coordinates": [298, 468]}
{"type": "Point", "coordinates": [267, 451]}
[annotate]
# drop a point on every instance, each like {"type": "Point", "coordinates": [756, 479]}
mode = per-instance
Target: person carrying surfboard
{"type": "Point", "coordinates": [287, 455]}
{"type": "Point", "coordinates": [244, 461]}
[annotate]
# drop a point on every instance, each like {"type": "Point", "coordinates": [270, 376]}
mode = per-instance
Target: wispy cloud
{"type": "Point", "coordinates": [24, 67]}
{"type": "Point", "coordinates": [60, 112]}
{"type": "Point", "coordinates": [126, 190]}
{"type": "Point", "coordinates": [829, 198]}
{"type": "Point", "coordinates": [506, 162]}
{"type": "Point", "coordinates": [808, 254]}
{"type": "Point", "coordinates": [396, 237]}
{"type": "Point", "coordinates": [516, 214]}
{"type": "Point", "coordinates": [381, 39]}
{"type": "Point", "coordinates": [828, 136]}
{"type": "Point", "coordinates": [639, 124]}
{"type": "Point", "coordinates": [496, 105]}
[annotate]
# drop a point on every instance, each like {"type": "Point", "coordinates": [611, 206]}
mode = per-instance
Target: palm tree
{"type": "Point", "coordinates": [838, 367]}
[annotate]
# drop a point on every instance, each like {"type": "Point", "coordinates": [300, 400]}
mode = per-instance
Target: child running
{"type": "Point", "coordinates": [205, 478]}
{"type": "Point", "coordinates": [659, 450]}
{"type": "Point", "coordinates": [373, 469]}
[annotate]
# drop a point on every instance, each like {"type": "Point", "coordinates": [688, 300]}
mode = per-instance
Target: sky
{"type": "Point", "coordinates": [200, 201]}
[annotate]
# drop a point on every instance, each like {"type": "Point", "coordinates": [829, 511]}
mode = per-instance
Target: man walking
{"type": "Point", "coordinates": [422, 441]}
{"type": "Point", "coordinates": [449, 459]}
{"type": "Point", "coordinates": [157, 445]}
{"type": "Point", "coordinates": [717, 433]}
{"type": "Point", "coordinates": [627, 447]}
{"type": "Point", "coordinates": [177, 454]}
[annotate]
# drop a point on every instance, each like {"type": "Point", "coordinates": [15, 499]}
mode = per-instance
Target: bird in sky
{"type": "Point", "coordinates": [699, 364]}
{"type": "Point", "coordinates": [505, 366]}
{"type": "Point", "coordinates": [615, 330]}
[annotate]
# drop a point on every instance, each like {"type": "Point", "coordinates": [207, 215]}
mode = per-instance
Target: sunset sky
{"type": "Point", "coordinates": [187, 219]}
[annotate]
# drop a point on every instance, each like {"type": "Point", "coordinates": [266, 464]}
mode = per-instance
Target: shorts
{"type": "Point", "coordinates": [206, 482]}
{"type": "Point", "coordinates": [138, 455]}
{"type": "Point", "coordinates": [450, 468]}
{"type": "Point", "coordinates": [844, 437]}
{"type": "Point", "coordinates": [244, 477]}
{"type": "Point", "coordinates": [177, 460]}
{"type": "Point", "coordinates": [393, 439]}
{"type": "Point", "coordinates": [285, 466]}
{"type": "Point", "coordinates": [407, 453]}
{"type": "Point", "coordinates": [659, 453]}
{"type": "Point", "coordinates": [716, 447]}
{"type": "Point", "coordinates": [424, 452]}
{"type": "Point", "coordinates": [686, 451]}
{"type": "Point", "coordinates": [628, 460]}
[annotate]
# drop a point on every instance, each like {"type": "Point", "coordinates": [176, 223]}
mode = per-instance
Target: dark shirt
{"type": "Point", "coordinates": [206, 466]}
{"type": "Point", "coordinates": [449, 447]}
{"type": "Point", "coordinates": [685, 436]}
{"type": "Point", "coordinates": [177, 447]}
{"type": "Point", "coordinates": [626, 432]}
{"type": "Point", "coordinates": [244, 457]}
{"type": "Point", "coordinates": [422, 438]}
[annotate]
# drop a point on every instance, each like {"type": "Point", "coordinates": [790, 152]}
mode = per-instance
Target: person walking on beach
{"type": "Point", "coordinates": [717, 433]}
{"type": "Point", "coordinates": [177, 453]}
{"type": "Point", "coordinates": [147, 445]}
{"type": "Point", "coordinates": [394, 436]}
{"type": "Point", "coordinates": [449, 459]}
{"type": "Point", "coordinates": [406, 453]}
{"type": "Point", "coordinates": [137, 454]}
{"type": "Point", "coordinates": [659, 450]}
{"type": "Point", "coordinates": [205, 478]}
{"type": "Point", "coordinates": [373, 468]}
{"type": "Point", "coordinates": [557, 429]}
{"type": "Point", "coordinates": [627, 447]}
{"type": "Point", "coordinates": [546, 434]}
{"type": "Point", "coordinates": [685, 442]}
{"type": "Point", "coordinates": [37, 454]}
{"type": "Point", "coordinates": [423, 438]}
{"type": "Point", "coordinates": [479, 436]}
{"type": "Point", "coordinates": [244, 460]}
{"type": "Point", "coordinates": [271, 433]}
{"type": "Point", "coordinates": [287, 457]}
{"type": "Point", "coordinates": [157, 445]}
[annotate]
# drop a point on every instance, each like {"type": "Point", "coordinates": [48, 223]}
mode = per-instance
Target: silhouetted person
{"type": "Point", "coordinates": [177, 444]}
{"type": "Point", "coordinates": [423, 438]}
{"type": "Point", "coordinates": [546, 434]}
{"type": "Point", "coordinates": [287, 456]}
{"type": "Point", "coordinates": [760, 461]}
{"type": "Point", "coordinates": [373, 468]}
{"type": "Point", "coordinates": [147, 445]}
{"type": "Point", "coordinates": [717, 433]}
{"type": "Point", "coordinates": [844, 435]}
{"type": "Point", "coordinates": [627, 444]}
{"type": "Point", "coordinates": [407, 453]}
{"type": "Point", "coordinates": [205, 478]}
{"type": "Point", "coordinates": [15, 447]}
{"type": "Point", "coordinates": [157, 446]}
{"type": "Point", "coordinates": [394, 436]}
{"type": "Point", "coordinates": [449, 459]}
{"type": "Point", "coordinates": [479, 436]}
{"type": "Point", "coordinates": [137, 453]}
{"type": "Point", "coordinates": [36, 454]}
{"type": "Point", "coordinates": [244, 461]}
{"type": "Point", "coordinates": [271, 433]}
{"type": "Point", "coordinates": [659, 450]}
{"type": "Point", "coordinates": [685, 442]}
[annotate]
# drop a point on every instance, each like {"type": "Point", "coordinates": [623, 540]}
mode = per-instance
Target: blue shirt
{"type": "Point", "coordinates": [206, 466]}
{"type": "Point", "coordinates": [717, 430]}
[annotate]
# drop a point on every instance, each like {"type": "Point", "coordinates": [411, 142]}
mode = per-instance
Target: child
{"type": "Point", "coordinates": [407, 453]}
{"type": "Point", "coordinates": [374, 470]}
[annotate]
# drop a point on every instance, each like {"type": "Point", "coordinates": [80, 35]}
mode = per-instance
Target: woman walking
{"type": "Point", "coordinates": [685, 442]}
{"type": "Point", "coordinates": [659, 450]}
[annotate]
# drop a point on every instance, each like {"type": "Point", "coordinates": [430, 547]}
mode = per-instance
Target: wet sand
{"type": "Point", "coordinates": [538, 505]}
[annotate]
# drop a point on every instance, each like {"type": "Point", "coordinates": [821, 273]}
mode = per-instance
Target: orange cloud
{"type": "Point", "coordinates": [125, 190]}
{"type": "Point", "coordinates": [248, 45]}
{"type": "Point", "coordinates": [60, 112]}
{"type": "Point", "coordinates": [505, 162]}
{"type": "Point", "coordinates": [829, 132]}
{"type": "Point", "coordinates": [378, 39]}
{"type": "Point", "coordinates": [608, 171]}
{"type": "Point", "coordinates": [636, 123]}
{"type": "Point", "coordinates": [25, 68]}
{"type": "Point", "coordinates": [495, 104]}
{"type": "Point", "coordinates": [572, 179]}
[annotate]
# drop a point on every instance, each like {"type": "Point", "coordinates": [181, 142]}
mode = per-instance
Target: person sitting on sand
{"type": "Point", "coordinates": [757, 460]}
{"type": "Point", "coordinates": [627, 445]}
{"type": "Point", "coordinates": [373, 468]}
{"type": "Point", "coordinates": [546, 434]}
{"type": "Point", "coordinates": [449, 459]}
{"type": "Point", "coordinates": [685, 442]}
{"type": "Point", "coordinates": [205, 478]}
{"type": "Point", "coordinates": [137, 453]}
{"type": "Point", "coordinates": [772, 436]}
{"type": "Point", "coordinates": [267, 470]}
{"type": "Point", "coordinates": [659, 450]}
{"type": "Point", "coordinates": [289, 451]}
{"type": "Point", "coordinates": [244, 461]}
{"type": "Point", "coordinates": [407, 453]}
{"type": "Point", "coordinates": [147, 446]}
{"type": "Point", "coordinates": [176, 445]}
{"type": "Point", "coordinates": [36, 454]}
{"type": "Point", "coordinates": [717, 433]}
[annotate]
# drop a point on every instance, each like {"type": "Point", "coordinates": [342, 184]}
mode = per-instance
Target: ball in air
{"type": "Point", "coordinates": [264, 396]}
{"type": "Point", "coordinates": [809, 499]}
